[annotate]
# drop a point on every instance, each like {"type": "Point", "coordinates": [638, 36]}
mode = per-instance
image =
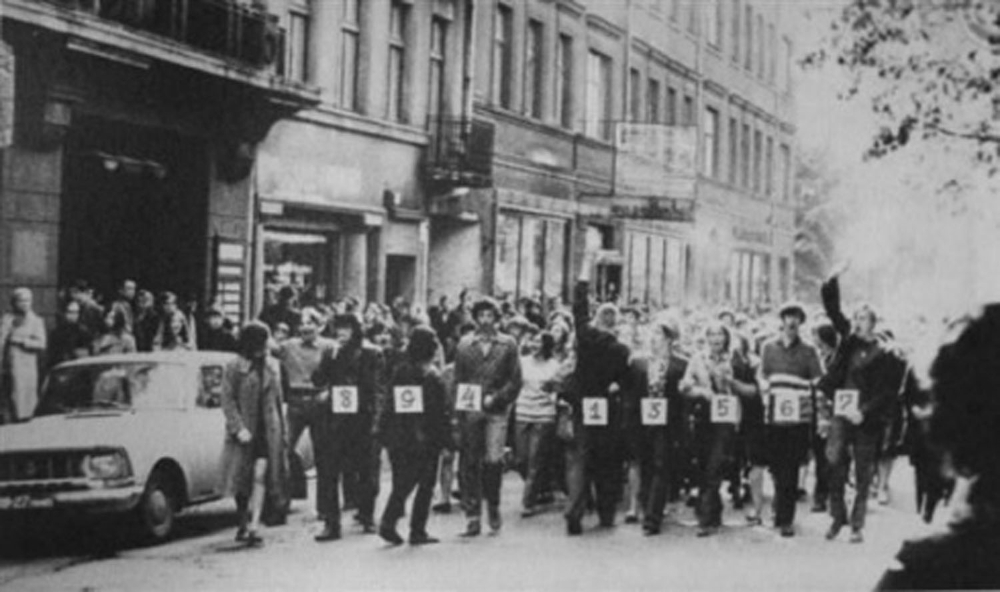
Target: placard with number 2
{"type": "Point", "coordinates": [595, 411]}
{"type": "Point", "coordinates": [344, 399]}
{"type": "Point", "coordinates": [469, 398]}
{"type": "Point", "coordinates": [408, 399]}
{"type": "Point", "coordinates": [654, 411]}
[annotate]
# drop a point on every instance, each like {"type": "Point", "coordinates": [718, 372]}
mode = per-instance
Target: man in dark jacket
{"type": "Point", "coordinates": [356, 375]}
{"type": "Point", "coordinates": [861, 368]}
{"type": "Point", "coordinates": [602, 372]}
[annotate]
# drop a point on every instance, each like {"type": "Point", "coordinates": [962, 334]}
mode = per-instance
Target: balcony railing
{"type": "Point", "coordinates": [461, 151]}
{"type": "Point", "coordinates": [225, 28]}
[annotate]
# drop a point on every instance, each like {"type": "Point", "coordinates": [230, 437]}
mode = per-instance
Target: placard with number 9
{"type": "Point", "coordinates": [408, 399]}
{"type": "Point", "coordinates": [654, 411]}
{"type": "Point", "coordinates": [344, 399]}
{"type": "Point", "coordinates": [469, 398]}
{"type": "Point", "coordinates": [725, 409]}
{"type": "Point", "coordinates": [845, 402]}
{"type": "Point", "coordinates": [595, 411]}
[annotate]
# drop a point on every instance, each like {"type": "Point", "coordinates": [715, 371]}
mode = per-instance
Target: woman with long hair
{"type": "Point", "coordinates": [115, 339]}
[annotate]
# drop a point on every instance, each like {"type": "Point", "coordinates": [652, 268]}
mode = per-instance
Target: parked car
{"type": "Point", "coordinates": [137, 434]}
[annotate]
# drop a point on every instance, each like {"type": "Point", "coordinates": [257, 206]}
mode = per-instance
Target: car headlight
{"type": "Point", "coordinates": [105, 466]}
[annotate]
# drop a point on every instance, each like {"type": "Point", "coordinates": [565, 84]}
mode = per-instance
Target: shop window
{"type": "Point", "coordinates": [301, 260]}
{"type": "Point", "coordinates": [675, 270]}
{"type": "Point", "coordinates": [657, 261]}
{"type": "Point", "coordinates": [638, 267]}
{"type": "Point", "coordinates": [531, 256]}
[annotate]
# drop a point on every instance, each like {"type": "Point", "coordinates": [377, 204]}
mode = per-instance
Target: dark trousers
{"type": "Point", "coordinates": [411, 469]}
{"type": "Point", "coordinates": [849, 442]}
{"type": "Point", "coordinates": [594, 460]}
{"type": "Point", "coordinates": [788, 447]}
{"type": "Point", "coordinates": [305, 413]}
{"type": "Point", "coordinates": [656, 473]}
{"type": "Point", "coordinates": [350, 453]}
{"type": "Point", "coordinates": [715, 444]}
{"type": "Point", "coordinates": [821, 489]}
{"type": "Point", "coordinates": [533, 443]}
{"type": "Point", "coordinates": [481, 462]}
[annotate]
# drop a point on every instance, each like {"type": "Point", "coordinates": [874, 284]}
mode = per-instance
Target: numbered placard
{"type": "Point", "coordinates": [786, 406]}
{"type": "Point", "coordinates": [845, 402]}
{"type": "Point", "coordinates": [344, 399]}
{"type": "Point", "coordinates": [654, 411]}
{"type": "Point", "coordinates": [725, 409]}
{"type": "Point", "coordinates": [408, 399]}
{"type": "Point", "coordinates": [595, 411]}
{"type": "Point", "coordinates": [469, 398]}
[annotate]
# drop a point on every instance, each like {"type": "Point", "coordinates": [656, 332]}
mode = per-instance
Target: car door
{"type": "Point", "coordinates": [207, 433]}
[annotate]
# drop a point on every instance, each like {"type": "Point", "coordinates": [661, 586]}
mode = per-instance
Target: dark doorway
{"type": "Point", "coordinates": [135, 205]}
{"type": "Point", "coordinates": [401, 277]}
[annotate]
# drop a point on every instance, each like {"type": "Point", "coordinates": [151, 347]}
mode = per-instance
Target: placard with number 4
{"type": "Point", "coordinates": [595, 411]}
{"type": "Point", "coordinates": [725, 409]}
{"type": "Point", "coordinates": [654, 412]}
{"type": "Point", "coordinates": [469, 398]}
{"type": "Point", "coordinates": [408, 399]}
{"type": "Point", "coordinates": [845, 402]}
{"type": "Point", "coordinates": [344, 399]}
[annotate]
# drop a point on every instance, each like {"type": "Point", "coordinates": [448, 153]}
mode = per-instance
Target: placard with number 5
{"type": "Point", "coordinates": [845, 402]}
{"type": "Point", "coordinates": [469, 398]}
{"type": "Point", "coordinates": [725, 409]}
{"type": "Point", "coordinates": [595, 411]}
{"type": "Point", "coordinates": [408, 399]}
{"type": "Point", "coordinates": [344, 399]}
{"type": "Point", "coordinates": [654, 411]}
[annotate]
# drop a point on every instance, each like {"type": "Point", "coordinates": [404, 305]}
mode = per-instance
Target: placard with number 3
{"type": "Point", "coordinates": [595, 411]}
{"type": "Point", "coordinates": [654, 412]}
{"type": "Point", "coordinates": [344, 399]}
{"type": "Point", "coordinates": [408, 399]}
{"type": "Point", "coordinates": [469, 398]}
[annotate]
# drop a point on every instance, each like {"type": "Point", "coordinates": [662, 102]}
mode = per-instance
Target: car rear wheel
{"type": "Point", "coordinates": [157, 511]}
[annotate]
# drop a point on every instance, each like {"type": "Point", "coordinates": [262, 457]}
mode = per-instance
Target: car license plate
{"type": "Point", "coordinates": [25, 502]}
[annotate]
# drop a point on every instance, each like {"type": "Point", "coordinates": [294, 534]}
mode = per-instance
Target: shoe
{"type": "Point", "coordinates": [241, 534]}
{"type": "Point", "coordinates": [456, 495]}
{"type": "Point", "coordinates": [834, 530]}
{"type": "Point", "coordinates": [573, 527]}
{"type": "Point", "coordinates": [422, 539]}
{"type": "Point", "coordinates": [650, 530]}
{"type": "Point", "coordinates": [883, 497]}
{"type": "Point", "coordinates": [857, 537]}
{"type": "Point", "coordinates": [329, 533]}
{"type": "Point", "coordinates": [819, 507]}
{"type": "Point", "coordinates": [368, 528]}
{"type": "Point", "coordinates": [707, 531]}
{"type": "Point", "coordinates": [389, 535]}
{"type": "Point", "coordinates": [787, 531]}
{"type": "Point", "coordinates": [607, 522]}
{"type": "Point", "coordinates": [473, 529]}
{"type": "Point", "coordinates": [754, 521]}
{"type": "Point", "coordinates": [631, 519]}
{"type": "Point", "coordinates": [529, 512]}
{"type": "Point", "coordinates": [801, 494]}
{"type": "Point", "coordinates": [496, 521]}
{"type": "Point", "coordinates": [738, 503]}
{"type": "Point", "coordinates": [253, 539]}
{"type": "Point", "coordinates": [442, 508]}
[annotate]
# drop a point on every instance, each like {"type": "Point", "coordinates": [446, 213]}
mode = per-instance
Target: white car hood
{"type": "Point", "coordinates": [88, 430]}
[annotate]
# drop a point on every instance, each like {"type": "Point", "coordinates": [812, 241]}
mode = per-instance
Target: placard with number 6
{"type": "Point", "coordinates": [469, 398]}
{"type": "Point", "coordinates": [786, 407]}
{"type": "Point", "coordinates": [595, 411]}
{"type": "Point", "coordinates": [725, 409]}
{"type": "Point", "coordinates": [845, 402]}
{"type": "Point", "coordinates": [654, 411]}
{"type": "Point", "coordinates": [344, 399]}
{"type": "Point", "coordinates": [408, 399]}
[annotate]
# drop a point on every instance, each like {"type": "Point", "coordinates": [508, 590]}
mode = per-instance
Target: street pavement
{"type": "Point", "coordinates": [529, 554]}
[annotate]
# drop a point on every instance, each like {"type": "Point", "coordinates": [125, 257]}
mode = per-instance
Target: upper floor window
{"type": "Point", "coordinates": [598, 95]}
{"type": "Point", "coordinates": [533, 69]}
{"type": "Point", "coordinates": [503, 55]}
{"type": "Point", "coordinates": [736, 31]}
{"type": "Point", "coordinates": [748, 38]}
{"type": "Point", "coordinates": [734, 150]}
{"type": "Point", "coordinates": [435, 89]}
{"type": "Point", "coordinates": [671, 106]}
{"type": "Point", "coordinates": [769, 168]}
{"type": "Point", "coordinates": [349, 55]}
{"type": "Point", "coordinates": [758, 149]}
{"type": "Point", "coordinates": [710, 143]}
{"type": "Point", "coordinates": [564, 81]}
{"type": "Point", "coordinates": [398, 17]}
{"type": "Point", "coordinates": [688, 115]}
{"type": "Point", "coordinates": [713, 22]}
{"type": "Point", "coordinates": [298, 42]}
{"type": "Point", "coordinates": [653, 101]}
{"type": "Point", "coordinates": [760, 46]}
{"type": "Point", "coordinates": [772, 53]}
{"type": "Point", "coordinates": [785, 172]}
{"type": "Point", "coordinates": [635, 95]}
{"type": "Point", "coordinates": [745, 157]}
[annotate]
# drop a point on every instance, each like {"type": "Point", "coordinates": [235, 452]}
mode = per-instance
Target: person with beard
{"type": "Point", "coordinates": [360, 368]}
{"type": "Point", "coordinates": [215, 336]}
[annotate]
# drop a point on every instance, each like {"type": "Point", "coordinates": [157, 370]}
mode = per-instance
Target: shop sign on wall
{"type": "Point", "coordinates": [229, 261]}
{"type": "Point", "coordinates": [655, 160]}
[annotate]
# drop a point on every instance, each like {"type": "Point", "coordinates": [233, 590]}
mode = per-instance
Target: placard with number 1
{"type": "Point", "coordinates": [595, 411]}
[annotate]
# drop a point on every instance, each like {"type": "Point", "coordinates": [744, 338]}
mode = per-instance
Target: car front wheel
{"type": "Point", "coordinates": [157, 511]}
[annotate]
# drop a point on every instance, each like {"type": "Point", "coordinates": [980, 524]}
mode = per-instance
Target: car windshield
{"type": "Point", "coordinates": [129, 385]}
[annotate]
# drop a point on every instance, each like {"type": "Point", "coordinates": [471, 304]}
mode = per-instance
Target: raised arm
{"type": "Point", "coordinates": [830, 292]}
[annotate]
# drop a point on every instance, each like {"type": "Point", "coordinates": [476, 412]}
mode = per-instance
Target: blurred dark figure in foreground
{"type": "Point", "coordinates": [965, 426]}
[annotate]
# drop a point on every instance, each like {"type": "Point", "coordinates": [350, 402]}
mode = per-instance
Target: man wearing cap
{"type": "Point", "coordinates": [486, 363]}
{"type": "Point", "coordinates": [796, 365]}
{"type": "Point", "coordinates": [356, 372]}
{"type": "Point", "coordinates": [593, 457]}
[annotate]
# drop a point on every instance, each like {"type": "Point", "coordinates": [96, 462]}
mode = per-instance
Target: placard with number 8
{"type": "Point", "coordinates": [344, 399]}
{"type": "Point", "coordinates": [469, 398]}
{"type": "Point", "coordinates": [408, 399]}
{"type": "Point", "coordinates": [845, 402]}
{"type": "Point", "coordinates": [725, 409]}
{"type": "Point", "coordinates": [595, 411]}
{"type": "Point", "coordinates": [654, 411]}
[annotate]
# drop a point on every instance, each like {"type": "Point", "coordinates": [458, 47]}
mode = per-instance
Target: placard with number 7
{"type": "Point", "coordinates": [408, 399]}
{"type": "Point", "coordinates": [595, 411]}
{"type": "Point", "coordinates": [654, 411]}
{"type": "Point", "coordinates": [344, 399]}
{"type": "Point", "coordinates": [469, 398]}
{"type": "Point", "coordinates": [845, 402]}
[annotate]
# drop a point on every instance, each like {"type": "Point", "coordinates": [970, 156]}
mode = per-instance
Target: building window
{"type": "Point", "coordinates": [745, 157]}
{"type": "Point", "coordinates": [533, 69]}
{"type": "Point", "coordinates": [769, 168]}
{"type": "Point", "coordinates": [772, 54]}
{"type": "Point", "coordinates": [692, 21]}
{"type": "Point", "coordinates": [531, 256]}
{"type": "Point", "coordinates": [710, 147]}
{"type": "Point", "coordinates": [675, 270]}
{"type": "Point", "coordinates": [758, 149]}
{"type": "Point", "coordinates": [349, 55]}
{"type": "Point", "coordinates": [748, 45]}
{"type": "Point", "coordinates": [674, 10]}
{"type": "Point", "coordinates": [298, 43]}
{"type": "Point", "coordinates": [398, 14]}
{"type": "Point", "coordinates": [760, 46]}
{"type": "Point", "coordinates": [653, 101]}
{"type": "Point", "coordinates": [564, 82]}
{"type": "Point", "coordinates": [786, 69]}
{"type": "Point", "coordinates": [734, 150]}
{"type": "Point", "coordinates": [785, 173]}
{"type": "Point", "coordinates": [714, 23]}
{"type": "Point", "coordinates": [688, 117]}
{"type": "Point", "coordinates": [435, 90]}
{"type": "Point", "coordinates": [784, 278]}
{"type": "Point", "coordinates": [736, 32]}
{"type": "Point", "coordinates": [599, 95]}
{"type": "Point", "coordinates": [503, 57]}
{"type": "Point", "coordinates": [635, 95]}
{"type": "Point", "coordinates": [671, 106]}
{"type": "Point", "coordinates": [638, 266]}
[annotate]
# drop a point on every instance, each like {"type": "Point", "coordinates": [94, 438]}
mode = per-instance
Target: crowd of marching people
{"type": "Point", "coordinates": [602, 407]}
